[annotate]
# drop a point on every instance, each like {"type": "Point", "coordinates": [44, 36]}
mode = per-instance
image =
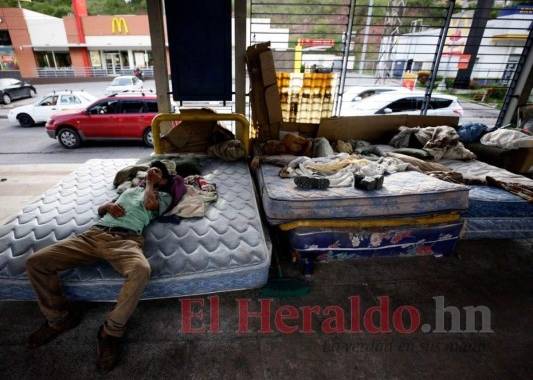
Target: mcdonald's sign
{"type": "Point", "coordinates": [118, 25]}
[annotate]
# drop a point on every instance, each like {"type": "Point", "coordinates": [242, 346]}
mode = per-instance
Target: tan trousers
{"type": "Point", "coordinates": [123, 251]}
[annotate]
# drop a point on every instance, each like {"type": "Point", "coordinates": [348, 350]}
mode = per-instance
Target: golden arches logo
{"type": "Point", "coordinates": [118, 25]}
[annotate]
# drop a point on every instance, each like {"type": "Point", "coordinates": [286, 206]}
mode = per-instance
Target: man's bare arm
{"type": "Point", "coordinates": [151, 200]}
{"type": "Point", "coordinates": [112, 208]}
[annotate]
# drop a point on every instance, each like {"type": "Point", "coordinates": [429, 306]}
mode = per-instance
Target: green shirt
{"type": "Point", "coordinates": [136, 216]}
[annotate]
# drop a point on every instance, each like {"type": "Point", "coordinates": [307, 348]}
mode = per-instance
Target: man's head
{"type": "Point", "coordinates": [158, 173]}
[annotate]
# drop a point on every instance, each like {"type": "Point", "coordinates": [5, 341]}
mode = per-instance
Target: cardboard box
{"type": "Point", "coordinates": [303, 129]}
{"type": "Point", "coordinates": [376, 128]}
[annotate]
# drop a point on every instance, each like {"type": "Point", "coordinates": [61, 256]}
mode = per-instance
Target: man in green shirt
{"type": "Point", "coordinates": [116, 238]}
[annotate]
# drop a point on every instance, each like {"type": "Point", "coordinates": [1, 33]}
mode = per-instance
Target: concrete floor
{"type": "Point", "coordinates": [497, 274]}
{"type": "Point", "coordinates": [21, 184]}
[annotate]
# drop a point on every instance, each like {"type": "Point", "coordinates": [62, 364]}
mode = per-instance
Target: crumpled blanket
{"type": "Point", "coordinates": [231, 150]}
{"type": "Point", "coordinates": [521, 188]}
{"type": "Point", "coordinates": [200, 193]}
{"type": "Point", "coordinates": [340, 169]}
{"type": "Point", "coordinates": [441, 142]}
{"type": "Point", "coordinates": [507, 139]}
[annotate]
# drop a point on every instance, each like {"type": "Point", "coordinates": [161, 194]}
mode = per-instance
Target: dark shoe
{"type": "Point", "coordinates": [309, 183]}
{"type": "Point", "coordinates": [368, 182]}
{"type": "Point", "coordinates": [47, 333]}
{"type": "Point", "coordinates": [107, 351]}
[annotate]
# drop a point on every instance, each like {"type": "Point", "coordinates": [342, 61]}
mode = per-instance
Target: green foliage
{"type": "Point", "coordinates": [115, 7]}
{"type": "Point", "coordinates": [60, 8]}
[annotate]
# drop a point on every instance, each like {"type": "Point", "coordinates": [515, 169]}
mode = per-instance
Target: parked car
{"type": "Point", "coordinates": [116, 117]}
{"type": "Point", "coordinates": [357, 93]}
{"type": "Point", "coordinates": [404, 102]}
{"type": "Point", "coordinates": [11, 89]}
{"type": "Point", "coordinates": [124, 83]}
{"type": "Point", "coordinates": [52, 103]}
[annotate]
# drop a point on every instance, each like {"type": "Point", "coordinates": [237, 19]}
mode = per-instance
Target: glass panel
{"type": "Point", "coordinates": [8, 61]}
{"type": "Point", "coordinates": [125, 60]}
{"type": "Point", "coordinates": [139, 58]}
{"type": "Point", "coordinates": [96, 58]}
{"type": "Point", "coordinates": [132, 107]}
{"type": "Point", "coordinates": [107, 107]}
{"type": "Point", "coordinates": [70, 99]}
{"type": "Point", "coordinates": [5, 39]}
{"type": "Point", "coordinates": [151, 107]}
{"type": "Point", "coordinates": [49, 101]}
{"type": "Point", "coordinates": [63, 59]}
{"type": "Point", "coordinates": [44, 59]}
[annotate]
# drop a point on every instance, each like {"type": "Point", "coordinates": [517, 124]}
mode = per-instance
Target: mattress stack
{"type": "Point", "coordinates": [494, 213]}
{"type": "Point", "coordinates": [413, 214]}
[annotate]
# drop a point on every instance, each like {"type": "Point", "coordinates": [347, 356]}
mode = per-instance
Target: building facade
{"type": "Point", "coordinates": [498, 54]}
{"type": "Point", "coordinates": [80, 45]}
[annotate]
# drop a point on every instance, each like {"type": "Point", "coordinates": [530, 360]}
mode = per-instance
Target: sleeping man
{"type": "Point", "coordinates": [116, 238]}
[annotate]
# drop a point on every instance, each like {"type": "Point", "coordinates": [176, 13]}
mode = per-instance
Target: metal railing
{"type": "Point", "coordinates": [73, 72]}
{"type": "Point", "coordinates": [471, 55]}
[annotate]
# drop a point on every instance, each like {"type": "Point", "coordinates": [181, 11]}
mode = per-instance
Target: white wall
{"type": "Point", "coordinates": [492, 56]}
{"type": "Point", "coordinates": [45, 31]}
{"type": "Point", "coordinates": [116, 42]}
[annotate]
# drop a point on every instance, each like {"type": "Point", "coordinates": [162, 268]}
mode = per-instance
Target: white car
{"type": "Point", "coordinates": [123, 84]}
{"type": "Point", "coordinates": [357, 93]}
{"type": "Point", "coordinates": [52, 103]}
{"type": "Point", "coordinates": [403, 102]}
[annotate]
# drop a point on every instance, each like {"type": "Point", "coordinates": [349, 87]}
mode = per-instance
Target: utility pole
{"type": "Point", "coordinates": [159, 53]}
{"type": "Point", "coordinates": [477, 30]}
{"type": "Point", "coordinates": [240, 64]}
{"type": "Point", "coordinates": [365, 38]}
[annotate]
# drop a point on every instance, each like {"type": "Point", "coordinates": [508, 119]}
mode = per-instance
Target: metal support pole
{"type": "Point", "coordinates": [240, 64]}
{"type": "Point", "coordinates": [438, 54]}
{"type": "Point", "coordinates": [475, 36]}
{"type": "Point", "coordinates": [365, 38]}
{"type": "Point", "coordinates": [346, 53]}
{"type": "Point", "coordinates": [520, 86]}
{"type": "Point", "coordinates": [159, 53]}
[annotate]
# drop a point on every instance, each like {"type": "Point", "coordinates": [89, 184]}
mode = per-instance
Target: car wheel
{"type": "Point", "coordinates": [69, 138]}
{"type": "Point", "coordinates": [147, 138]}
{"type": "Point", "coordinates": [25, 120]}
{"type": "Point", "coordinates": [33, 93]}
{"type": "Point", "coordinates": [6, 99]}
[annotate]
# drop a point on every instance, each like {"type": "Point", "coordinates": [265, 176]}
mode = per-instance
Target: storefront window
{"type": "Point", "coordinates": [140, 58]}
{"type": "Point", "coordinates": [96, 58]}
{"type": "Point", "coordinates": [44, 58]}
{"type": "Point", "coordinates": [62, 59]}
{"type": "Point", "coordinates": [5, 39]}
{"type": "Point", "coordinates": [8, 60]}
{"type": "Point", "coordinates": [124, 59]}
{"type": "Point", "coordinates": [150, 59]}
{"type": "Point", "coordinates": [53, 59]}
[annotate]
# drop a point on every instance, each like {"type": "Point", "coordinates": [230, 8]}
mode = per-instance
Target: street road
{"type": "Point", "coordinates": [32, 145]}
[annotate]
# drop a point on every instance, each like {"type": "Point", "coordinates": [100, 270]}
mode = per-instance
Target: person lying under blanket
{"type": "Point", "coordinates": [116, 238]}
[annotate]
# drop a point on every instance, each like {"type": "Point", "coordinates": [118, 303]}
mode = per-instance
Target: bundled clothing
{"type": "Point", "coordinates": [508, 139]}
{"type": "Point", "coordinates": [441, 142]}
{"type": "Point", "coordinates": [340, 169]}
{"type": "Point", "coordinates": [200, 193]}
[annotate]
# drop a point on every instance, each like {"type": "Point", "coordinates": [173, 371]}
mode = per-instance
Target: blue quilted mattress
{"type": "Point", "coordinates": [406, 193]}
{"type": "Point", "coordinates": [330, 244]}
{"type": "Point", "coordinates": [226, 250]}
{"type": "Point", "coordinates": [497, 214]}
{"type": "Point", "coordinates": [494, 213]}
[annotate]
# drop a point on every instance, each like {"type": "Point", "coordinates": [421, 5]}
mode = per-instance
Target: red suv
{"type": "Point", "coordinates": [125, 117]}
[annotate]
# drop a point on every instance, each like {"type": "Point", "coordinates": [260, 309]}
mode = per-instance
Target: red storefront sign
{"type": "Point", "coordinates": [317, 42]}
